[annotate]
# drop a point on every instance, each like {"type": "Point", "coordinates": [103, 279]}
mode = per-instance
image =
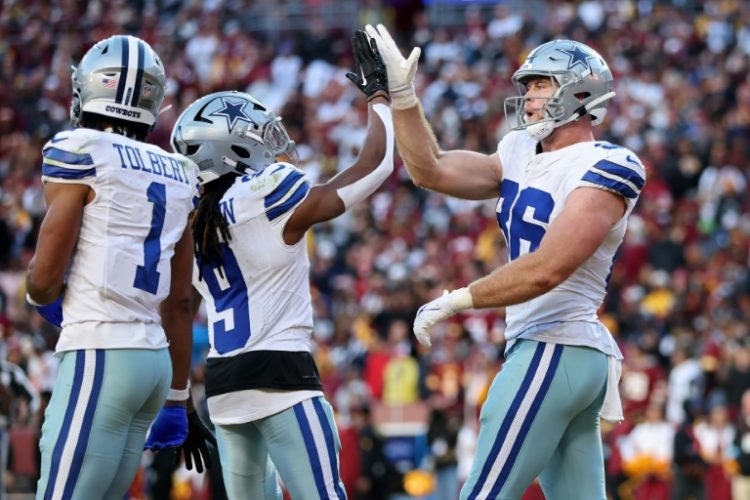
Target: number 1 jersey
{"type": "Point", "coordinates": [533, 192]}
{"type": "Point", "coordinates": [121, 269]}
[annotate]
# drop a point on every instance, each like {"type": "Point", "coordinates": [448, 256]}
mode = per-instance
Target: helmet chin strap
{"type": "Point", "coordinates": [541, 129]}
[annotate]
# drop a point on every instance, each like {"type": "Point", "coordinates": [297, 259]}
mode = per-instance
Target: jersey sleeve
{"type": "Point", "coordinates": [620, 172]}
{"type": "Point", "coordinates": [285, 189]}
{"type": "Point", "coordinates": [67, 158]}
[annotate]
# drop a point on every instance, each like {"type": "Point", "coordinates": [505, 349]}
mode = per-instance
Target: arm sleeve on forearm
{"type": "Point", "coordinates": [364, 187]}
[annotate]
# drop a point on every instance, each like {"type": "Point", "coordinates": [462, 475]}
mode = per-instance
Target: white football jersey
{"type": "Point", "coordinates": [120, 270]}
{"type": "Point", "coordinates": [533, 192]}
{"type": "Point", "coordinates": [260, 298]}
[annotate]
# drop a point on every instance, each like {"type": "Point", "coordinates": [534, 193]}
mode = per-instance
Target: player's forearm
{"type": "Point", "coordinates": [417, 145]}
{"type": "Point", "coordinates": [178, 328]}
{"type": "Point", "coordinates": [43, 287]}
{"type": "Point", "coordinates": [523, 279]}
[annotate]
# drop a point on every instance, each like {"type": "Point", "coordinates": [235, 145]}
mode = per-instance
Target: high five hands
{"type": "Point", "coordinates": [400, 70]}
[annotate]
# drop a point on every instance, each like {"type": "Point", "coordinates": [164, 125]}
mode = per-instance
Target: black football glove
{"type": "Point", "coordinates": [195, 447]}
{"type": "Point", "coordinates": [369, 71]}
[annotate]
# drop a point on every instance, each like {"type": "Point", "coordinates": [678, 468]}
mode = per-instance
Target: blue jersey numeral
{"type": "Point", "coordinates": [513, 202]}
{"type": "Point", "coordinates": [146, 276]}
{"type": "Point", "coordinates": [508, 193]}
{"type": "Point", "coordinates": [230, 300]}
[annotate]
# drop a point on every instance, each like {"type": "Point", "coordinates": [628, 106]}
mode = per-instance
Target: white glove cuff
{"type": "Point", "coordinates": [461, 299]}
{"type": "Point", "coordinates": [404, 98]}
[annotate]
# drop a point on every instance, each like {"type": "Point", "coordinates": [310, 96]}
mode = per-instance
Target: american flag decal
{"type": "Point", "coordinates": [109, 82]}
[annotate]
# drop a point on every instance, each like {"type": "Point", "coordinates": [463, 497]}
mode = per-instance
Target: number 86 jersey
{"type": "Point", "coordinates": [533, 192]}
{"type": "Point", "coordinates": [120, 270]}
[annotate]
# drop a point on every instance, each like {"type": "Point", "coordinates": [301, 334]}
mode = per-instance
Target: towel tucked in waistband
{"type": "Point", "coordinates": [612, 406]}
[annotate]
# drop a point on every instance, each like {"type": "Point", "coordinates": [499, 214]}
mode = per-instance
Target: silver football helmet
{"type": "Point", "coordinates": [121, 77]}
{"type": "Point", "coordinates": [584, 84]}
{"type": "Point", "coordinates": [229, 132]}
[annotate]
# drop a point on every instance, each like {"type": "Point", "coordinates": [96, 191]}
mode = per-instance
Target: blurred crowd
{"type": "Point", "coordinates": [679, 294]}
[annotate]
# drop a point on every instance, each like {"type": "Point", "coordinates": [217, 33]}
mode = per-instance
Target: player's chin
{"type": "Point", "coordinates": [532, 118]}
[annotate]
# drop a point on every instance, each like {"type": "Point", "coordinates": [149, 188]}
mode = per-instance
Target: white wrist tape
{"type": "Point", "coordinates": [32, 301]}
{"type": "Point", "coordinates": [461, 299]}
{"type": "Point", "coordinates": [404, 98]}
{"type": "Point", "coordinates": [364, 187]}
{"type": "Point", "coordinates": [179, 394]}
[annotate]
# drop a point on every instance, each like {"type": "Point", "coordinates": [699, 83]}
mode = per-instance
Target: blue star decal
{"type": "Point", "coordinates": [232, 112]}
{"type": "Point", "coordinates": [577, 56]}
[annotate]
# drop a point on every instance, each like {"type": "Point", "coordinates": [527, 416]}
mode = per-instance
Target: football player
{"type": "Point", "coordinates": [564, 200]}
{"type": "Point", "coordinates": [113, 245]}
{"type": "Point", "coordinates": [264, 392]}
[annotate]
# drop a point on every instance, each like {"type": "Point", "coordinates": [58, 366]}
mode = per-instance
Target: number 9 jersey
{"type": "Point", "coordinates": [120, 271]}
{"type": "Point", "coordinates": [533, 192]}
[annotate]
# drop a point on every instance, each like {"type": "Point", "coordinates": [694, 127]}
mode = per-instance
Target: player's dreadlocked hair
{"type": "Point", "coordinates": [210, 228]}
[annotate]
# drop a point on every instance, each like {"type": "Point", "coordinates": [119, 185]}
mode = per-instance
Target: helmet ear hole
{"type": "Point", "coordinates": [191, 149]}
{"type": "Point", "coordinates": [240, 151]}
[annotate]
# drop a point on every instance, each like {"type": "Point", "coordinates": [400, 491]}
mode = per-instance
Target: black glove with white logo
{"type": "Point", "coordinates": [369, 71]}
{"type": "Point", "coordinates": [195, 447]}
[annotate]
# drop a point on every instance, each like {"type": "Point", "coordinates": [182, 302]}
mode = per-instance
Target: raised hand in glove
{"type": "Point", "coordinates": [195, 446]}
{"type": "Point", "coordinates": [169, 429]}
{"type": "Point", "coordinates": [369, 71]}
{"type": "Point", "coordinates": [439, 309]}
{"type": "Point", "coordinates": [400, 70]}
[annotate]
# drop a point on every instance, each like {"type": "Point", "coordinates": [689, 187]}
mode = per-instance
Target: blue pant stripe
{"type": "Point", "coordinates": [507, 421]}
{"type": "Point", "coordinates": [312, 451]}
{"type": "Point", "coordinates": [88, 419]}
{"type": "Point", "coordinates": [533, 410]}
{"type": "Point", "coordinates": [330, 445]}
{"type": "Point", "coordinates": [60, 444]}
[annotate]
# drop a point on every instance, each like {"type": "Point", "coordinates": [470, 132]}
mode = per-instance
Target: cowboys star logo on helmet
{"type": "Point", "coordinates": [232, 112]}
{"type": "Point", "coordinates": [577, 56]}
